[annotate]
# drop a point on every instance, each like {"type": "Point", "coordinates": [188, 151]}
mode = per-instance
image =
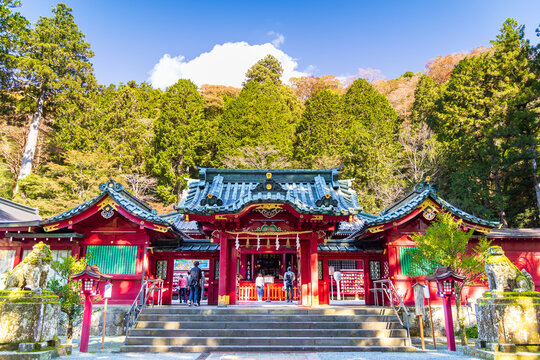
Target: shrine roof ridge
{"type": "Point", "coordinates": [228, 191]}
{"type": "Point", "coordinates": [412, 200]}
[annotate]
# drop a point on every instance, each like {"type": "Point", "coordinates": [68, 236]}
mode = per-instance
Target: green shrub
{"type": "Point", "coordinates": [472, 332]}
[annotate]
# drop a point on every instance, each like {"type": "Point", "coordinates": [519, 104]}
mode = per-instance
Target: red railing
{"type": "Point", "coordinates": [248, 292]}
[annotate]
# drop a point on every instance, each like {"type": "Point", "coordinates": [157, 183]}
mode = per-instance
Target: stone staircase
{"type": "Point", "coordinates": [262, 329]}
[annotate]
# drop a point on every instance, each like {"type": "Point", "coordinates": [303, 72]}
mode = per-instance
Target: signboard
{"type": "Point", "coordinates": [337, 275]}
{"type": "Point", "coordinates": [419, 299]}
{"type": "Point", "coordinates": [331, 270]}
{"type": "Point", "coordinates": [268, 279]}
{"type": "Point", "coordinates": [187, 264]}
{"type": "Point", "coordinates": [426, 291]}
{"type": "Point", "coordinates": [107, 291]}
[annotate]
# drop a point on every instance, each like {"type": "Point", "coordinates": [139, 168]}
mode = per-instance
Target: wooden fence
{"type": "Point", "coordinates": [248, 292]}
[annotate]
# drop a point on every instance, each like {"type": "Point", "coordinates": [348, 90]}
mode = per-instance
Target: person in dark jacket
{"type": "Point", "coordinates": [195, 275]}
{"type": "Point", "coordinates": [288, 280]}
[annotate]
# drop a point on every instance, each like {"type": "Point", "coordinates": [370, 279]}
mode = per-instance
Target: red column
{"type": "Point", "coordinates": [449, 323]}
{"type": "Point", "coordinates": [87, 320]}
{"type": "Point", "coordinates": [223, 269]}
{"type": "Point", "coordinates": [232, 273]}
{"type": "Point", "coordinates": [305, 272]}
{"type": "Point", "coordinates": [314, 267]}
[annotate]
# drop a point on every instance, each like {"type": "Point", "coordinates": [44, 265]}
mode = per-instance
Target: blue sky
{"type": "Point", "coordinates": [131, 38]}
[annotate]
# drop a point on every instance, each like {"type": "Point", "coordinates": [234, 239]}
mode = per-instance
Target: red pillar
{"type": "Point", "coordinates": [87, 320]}
{"type": "Point", "coordinates": [305, 271]}
{"type": "Point", "coordinates": [449, 322]}
{"type": "Point", "coordinates": [232, 272]}
{"type": "Point", "coordinates": [314, 267]}
{"type": "Point", "coordinates": [223, 269]}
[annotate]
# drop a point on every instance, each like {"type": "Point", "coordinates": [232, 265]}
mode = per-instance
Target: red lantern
{"type": "Point", "coordinates": [90, 278]}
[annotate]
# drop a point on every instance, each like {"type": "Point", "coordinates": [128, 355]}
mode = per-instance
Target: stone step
{"type": "Point", "coordinates": [263, 348]}
{"type": "Point", "coordinates": [268, 333]}
{"type": "Point", "coordinates": [276, 341]}
{"type": "Point", "coordinates": [268, 311]}
{"type": "Point", "coordinates": [259, 318]}
{"type": "Point", "coordinates": [375, 325]}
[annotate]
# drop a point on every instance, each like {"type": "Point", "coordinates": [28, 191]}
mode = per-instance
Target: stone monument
{"type": "Point", "coordinates": [508, 315]}
{"type": "Point", "coordinates": [28, 312]}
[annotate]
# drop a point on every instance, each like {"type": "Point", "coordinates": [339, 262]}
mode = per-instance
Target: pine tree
{"type": "Point", "coordinates": [372, 154]}
{"type": "Point", "coordinates": [320, 132]}
{"type": "Point", "coordinates": [55, 60]}
{"type": "Point", "coordinates": [178, 132]}
{"type": "Point", "coordinates": [488, 129]}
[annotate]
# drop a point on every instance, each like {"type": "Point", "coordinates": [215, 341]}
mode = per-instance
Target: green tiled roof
{"type": "Point", "coordinates": [227, 191]}
{"type": "Point", "coordinates": [420, 193]}
{"type": "Point", "coordinates": [126, 200]}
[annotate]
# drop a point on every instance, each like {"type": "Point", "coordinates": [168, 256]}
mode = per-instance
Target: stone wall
{"type": "Point", "coordinates": [114, 325]}
{"type": "Point", "coordinates": [438, 320]}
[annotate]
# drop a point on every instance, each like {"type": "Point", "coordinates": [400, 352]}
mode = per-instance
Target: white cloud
{"type": "Point", "coordinates": [280, 39]}
{"type": "Point", "coordinates": [369, 74]}
{"type": "Point", "coordinates": [225, 64]}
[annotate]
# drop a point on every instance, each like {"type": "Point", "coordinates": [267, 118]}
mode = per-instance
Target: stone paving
{"type": "Point", "coordinates": [113, 343]}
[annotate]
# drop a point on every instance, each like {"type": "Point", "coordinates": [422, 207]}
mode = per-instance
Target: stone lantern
{"type": "Point", "coordinates": [90, 278]}
{"type": "Point", "coordinates": [446, 279]}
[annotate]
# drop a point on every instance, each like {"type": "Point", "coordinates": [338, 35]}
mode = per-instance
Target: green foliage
{"type": "Point", "coordinates": [179, 134]}
{"type": "Point", "coordinates": [68, 291]}
{"type": "Point", "coordinates": [472, 332]}
{"type": "Point", "coordinates": [372, 154]}
{"type": "Point", "coordinates": [268, 68]}
{"type": "Point", "coordinates": [66, 184]}
{"type": "Point", "coordinates": [264, 113]}
{"type": "Point", "coordinates": [321, 132]}
{"type": "Point", "coordinates": [446, 244]}
{"type": "Point", "coordinates": [13, 31]}
{"type": "Point", "coordinates": [488, 125]}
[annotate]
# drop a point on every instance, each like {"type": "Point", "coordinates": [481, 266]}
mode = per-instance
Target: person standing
{"type": "Point", "coordinates": [259, 284]}
{"type": "Point", "coordinates": [288, 279]}
{"type": "Point", "coordinates": [195, 276]}
{"type": "Point", "coordinates": [201, 288]}
{"type": "Point", "coordinates": [182, 293]}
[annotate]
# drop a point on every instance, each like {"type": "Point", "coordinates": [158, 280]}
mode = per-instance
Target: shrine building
{"type": "Point", "coordinates": [238, 223]}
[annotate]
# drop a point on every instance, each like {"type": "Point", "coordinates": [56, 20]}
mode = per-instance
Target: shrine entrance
{"type": "Point", "coordinates": [265, 221]}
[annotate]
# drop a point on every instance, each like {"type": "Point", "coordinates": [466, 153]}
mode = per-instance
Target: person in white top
{"type": "Point", "coordinates": [259, 284]}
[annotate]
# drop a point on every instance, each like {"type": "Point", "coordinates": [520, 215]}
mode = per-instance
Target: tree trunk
{"type": "Point", "coordinates": [69, 332]}
{"type": "Point", "coordinates": [536, 180]}
{"type": "Point", "coordinates": [460, 318]}
{"type": "Point", "coordinates": [31, 141]}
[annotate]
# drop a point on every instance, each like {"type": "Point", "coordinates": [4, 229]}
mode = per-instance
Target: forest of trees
{"type": "Point", "coordinates": [470, 121]}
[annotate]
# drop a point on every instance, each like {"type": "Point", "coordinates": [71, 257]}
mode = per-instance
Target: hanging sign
{"type": "Point", "coordinates": [107, 292]}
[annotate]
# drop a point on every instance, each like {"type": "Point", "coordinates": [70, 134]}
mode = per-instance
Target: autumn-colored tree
{"type": "Point", "coordinates": [215, 97]}
{"type": "Point", "coordinates": [306, 87]}
{"type": "Point", "coordinates": [440, 68]}
{"type": "Point", "coordinates": [399, 92]}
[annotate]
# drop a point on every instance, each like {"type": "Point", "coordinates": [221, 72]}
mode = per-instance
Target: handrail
{"type": "Point", "coordinates": [148, 288]}
{"type": "Point", "coordinates": [391, 293]}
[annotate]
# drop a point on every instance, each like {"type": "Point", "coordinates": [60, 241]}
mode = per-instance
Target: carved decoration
{"type": "Point", "coordinates": [269, 185]}
{"type": "Point", "coordinates": [32, 272]}
{"type": "Point", "coordinates": [269, 213]}
{"type": "Point", "coordinates": [429, 213]}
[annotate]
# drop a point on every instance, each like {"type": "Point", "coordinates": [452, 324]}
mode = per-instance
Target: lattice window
{"type": "Point", "coordinates": [113, 259]}
{"type": "Point", "coordinates": [386, 270]}
{"type": "Point", "coordinates": [343, 264]}
{"type": "Point", "coordinates": [374, 270]}
{"type": "Point", "coordinates": [161, 269]}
